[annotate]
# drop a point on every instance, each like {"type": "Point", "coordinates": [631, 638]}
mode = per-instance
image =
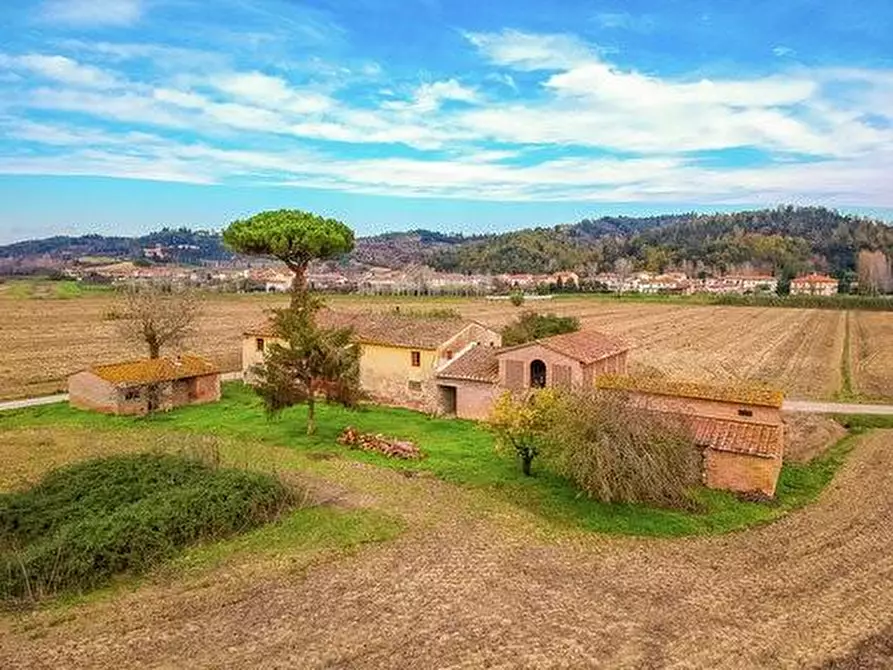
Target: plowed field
{"type": "Point", "coordinates": [797, 350]}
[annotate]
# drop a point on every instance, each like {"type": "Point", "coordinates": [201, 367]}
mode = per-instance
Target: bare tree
{"type": "Point", "coordinates": [874, 271]}
{"type": "Point", "coordinates": [157, 316]}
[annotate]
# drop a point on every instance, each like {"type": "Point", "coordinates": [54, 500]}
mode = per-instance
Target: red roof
{"type": "Point", "coordinates": [755, 439]}
{"type": "Point", "coordinates": [385, 328]}
{"type": "Point", "coordinates": [814, 279]}
{"type": "Point", "coordinates": [478, 364]}
{"type": "Point", "coordinates": [585, 346]}
{"type": "Point", "coordinates": [149, 370]}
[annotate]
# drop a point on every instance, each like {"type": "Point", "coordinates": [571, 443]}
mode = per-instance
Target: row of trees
{"type": "Point", "coordinates": [784, 239]}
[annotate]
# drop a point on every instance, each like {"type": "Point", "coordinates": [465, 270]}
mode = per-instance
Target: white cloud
{"type": "Point", "coordinates": [530, 51]}
{"type": "Point", "coordinates": [273, 92]}
{"type": "Point", "coordinates": [479, 143]}
{"type": "Point", "coordinates": [61, 69]}
{"type": "Point", "coordinates": [429, 97]}
{"type": "Point", "coordinates": [92, 12]}
{"type": "Point", "coordinates": [782, 51]}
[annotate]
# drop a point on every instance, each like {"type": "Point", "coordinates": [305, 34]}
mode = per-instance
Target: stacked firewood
{"type": "Point", "coordinates": [381, 444]}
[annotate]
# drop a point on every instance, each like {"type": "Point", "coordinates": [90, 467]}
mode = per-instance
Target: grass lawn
{"type": "Point", "coordinates": [462, 452]}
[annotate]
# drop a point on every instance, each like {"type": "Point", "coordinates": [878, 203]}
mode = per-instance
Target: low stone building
{"type": "Point", "coordinates": [137, 387]}
{"type": "Point", "coordinates": [739, 430]}
{"type": "Point", "coordinates": [469, 385]}
{"type": "Point", "coordinates": [400, 353]}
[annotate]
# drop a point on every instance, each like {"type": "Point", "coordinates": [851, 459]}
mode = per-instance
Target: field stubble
{"type": "Point", "coordinates": [798, 350]}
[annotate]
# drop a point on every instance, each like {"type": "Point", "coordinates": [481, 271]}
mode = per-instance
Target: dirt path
{"type": "Point", "coordinates": [482, 587]}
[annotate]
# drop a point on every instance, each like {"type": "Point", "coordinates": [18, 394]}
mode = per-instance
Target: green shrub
{"type": "Point", "coordinates": [516, 298]}
{"type": "Point", "coordinates": [532, 326]}
{"type": "Point", "coordinates": [620, 454]}
{"type": "Point", "coordinates": [85, 523]}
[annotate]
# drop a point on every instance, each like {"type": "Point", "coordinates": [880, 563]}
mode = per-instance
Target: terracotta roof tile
{"type": "Point", "coordinates": [387, 328]}
{"type": "Point", "coordinates": [149, 370]}
{"type": "Point", "coordinates": [756, 439]}
{"type": "Point", "coordinates": [477, 364]}
{"type": "Point", "coordinates": [745, 395]}
{"type": "Point", "coordinates": [586, 346]}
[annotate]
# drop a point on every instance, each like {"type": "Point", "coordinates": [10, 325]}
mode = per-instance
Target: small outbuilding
{"type": "Point", "coordinates": [138, 387]}
{"type": "Point", "coordinates": [739, 429]}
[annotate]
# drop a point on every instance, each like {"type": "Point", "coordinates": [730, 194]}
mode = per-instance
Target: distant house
{"type": "Point", "coordinates": [400, 353]}
{"type": "Point", "coordinates": [814, 284]}
{"type": "Point", "coordinates": [132, 387]}
{"type": "Point", "coordinates": [739, 429]}
{"type": "Point", "coordinates": [469, 385]}
{"type": "Point", "coordinates": [740, 284]}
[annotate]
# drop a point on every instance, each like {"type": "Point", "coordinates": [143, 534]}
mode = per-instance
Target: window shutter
{"type": "Point", "coordinates": [514, 375]}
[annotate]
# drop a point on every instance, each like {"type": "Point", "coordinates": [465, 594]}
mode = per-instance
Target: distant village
{"type": "Point", "coordinates": [423, 280]}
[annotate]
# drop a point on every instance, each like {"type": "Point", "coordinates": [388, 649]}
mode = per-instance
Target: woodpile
{"type": "Point", "coordinates": [388, 446]}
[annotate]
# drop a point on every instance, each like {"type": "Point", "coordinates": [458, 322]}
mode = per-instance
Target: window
{"type": "Point", "coordinates": [537, 374]}
{"type": "Point", "coordinates": [745, 412]}
{"type": "Point", "coordinates": [415, 386]}
{"type": "Point", "coordinates": [259, 344]}
{"type": "Point", "coordinates": [416, 358]}
{"type": "Point", "coordinates": [132, 394]}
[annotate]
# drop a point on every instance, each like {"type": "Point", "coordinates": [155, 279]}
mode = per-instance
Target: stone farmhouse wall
{"type": "Point", "coordinates": [89, 391]}
{"type": "Point", "coordinates": [474, 400]}
{"type": "Point", "coordinates": [386, 370]}
{"type": "Point", "coordinates": [561, 370]}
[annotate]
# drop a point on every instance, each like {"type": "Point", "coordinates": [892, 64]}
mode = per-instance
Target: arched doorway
{"type": "Point", "coordinates": [537, 374]}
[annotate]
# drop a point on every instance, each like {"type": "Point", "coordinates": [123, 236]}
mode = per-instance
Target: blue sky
{"type": "Point", "coordinates": [126, 115]}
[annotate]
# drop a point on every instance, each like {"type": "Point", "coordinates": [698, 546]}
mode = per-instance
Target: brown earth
{"type": "Point", "coordinates": [809, 435]}
{"type": "Point", "coordinates": [871, 347]}
{"type": "Point", "coordinates": [795, 349]}
{"type": "Point", "coordinates": [474, 584]}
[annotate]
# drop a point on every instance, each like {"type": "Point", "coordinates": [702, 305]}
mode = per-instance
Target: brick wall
{"type": "Point", "coordinates": [741, 472]}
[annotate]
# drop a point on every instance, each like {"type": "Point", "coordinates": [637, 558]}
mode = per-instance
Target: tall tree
{"type": "Point", "coordinates": [308, 361]}
{"type": "Point", "coordinates": [292, 236]}
{"type": "Point", "coordinates": [157, 316]}
{"type": "Point", "coordinates": [874, 272]}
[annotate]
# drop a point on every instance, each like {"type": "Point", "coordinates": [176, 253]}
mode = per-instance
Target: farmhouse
{"type": "Point", "coordinates": [740, 430]}
{"type": "Point", "coordinates": [469, 385]}
{"type": "Point", "coordinates": [137, 387]}
{"type": "Point", "coordinates": [814, 284]}
{"type": "Point", "coordinates": [400, 353]}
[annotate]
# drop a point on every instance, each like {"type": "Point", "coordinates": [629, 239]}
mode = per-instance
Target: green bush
{"type": "Point", "coordinates": [532, 326]}
{"type": "Point", "coordinates": [85, 523]}
{"type": "Point", "coordinates": [616, 453]}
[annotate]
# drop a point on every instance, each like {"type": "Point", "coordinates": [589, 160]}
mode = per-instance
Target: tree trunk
{"type": "Point", "coordinates": [311, 413]}
{"type": "Point", "coordinates": [154, 349]}
{"type": "Point", "coordinates": [298, 284]}
{"type": "Point", "coordinates": [526, 460]}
